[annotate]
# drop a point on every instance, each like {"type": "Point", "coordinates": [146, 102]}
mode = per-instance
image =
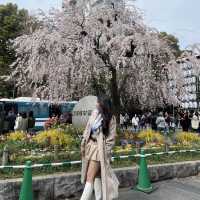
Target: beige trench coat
{"type": "Point", "coordinates": [110, 183]}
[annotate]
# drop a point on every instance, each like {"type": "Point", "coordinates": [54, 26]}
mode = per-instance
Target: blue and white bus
{"type": "Point", "coordinates": [42, 109]}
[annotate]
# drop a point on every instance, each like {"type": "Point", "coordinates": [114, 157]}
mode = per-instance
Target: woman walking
{"type": "Point", "coordinates": [96, 146]}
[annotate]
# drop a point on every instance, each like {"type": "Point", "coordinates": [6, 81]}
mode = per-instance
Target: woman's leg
{"type": "Point", "coordinates": [92, 171]}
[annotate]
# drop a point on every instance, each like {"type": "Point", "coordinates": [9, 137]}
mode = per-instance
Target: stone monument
{"type": "Point", "coordinates": [83, 110]}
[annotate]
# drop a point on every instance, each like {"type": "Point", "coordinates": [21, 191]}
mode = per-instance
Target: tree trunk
{"type": "Point", "coordinates": [115, 94]}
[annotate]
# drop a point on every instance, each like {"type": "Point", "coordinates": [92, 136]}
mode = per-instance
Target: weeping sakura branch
{"type": "Point", "coordinates": [73, 49]}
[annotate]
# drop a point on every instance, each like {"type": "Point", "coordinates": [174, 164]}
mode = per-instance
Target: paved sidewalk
{"type": "Point", "coordinates": [176, 189]}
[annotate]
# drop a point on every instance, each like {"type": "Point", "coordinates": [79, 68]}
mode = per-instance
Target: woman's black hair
{"type": "Point", "coordinates": [105, 108]}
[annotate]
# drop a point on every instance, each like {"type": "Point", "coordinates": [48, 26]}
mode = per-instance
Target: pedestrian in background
{"type": "Point", "coordinates": [185, 122]}
{"type": "Point", "coordinates": [121, 121]}
{"type": "Point", "coordinates": [126, 121]}
{"type": "Point", "coordinates": [31, 122]}
{"type": "Point", "coordinates": [142, 122]}
{"type": "Point", "coordinates": [153, 121]}
{"type": "Point", "coordinates": [135, 122]}
{"type": "Point", "coordinates": [160, 122]}
{"type": "Point", "coordinates": [21, 123]}
{"type": "Point", "coordinates": [148, 119]}
{"type": "Point", "coordinates": [195, 122]}
{"type": "Point", "coordinates": [18, 122]}
{"type": "Point", "coordinates": [24, 124]}
{"type": "Point", "coordinates": [11, 120]}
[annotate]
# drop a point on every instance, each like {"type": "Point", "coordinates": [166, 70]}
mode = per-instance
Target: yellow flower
{"type": "Point", "coordinates": [17, 136]}
{"type": "Point", "coordinates": [55, 137]}
{"type": "Point", "coordinates": [187, 138]}
{"type": "Point", "coordinates": [150, 136]}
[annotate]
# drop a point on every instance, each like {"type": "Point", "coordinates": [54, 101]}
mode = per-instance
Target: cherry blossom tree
{"type": "Point", "coordinates": [109, 49]}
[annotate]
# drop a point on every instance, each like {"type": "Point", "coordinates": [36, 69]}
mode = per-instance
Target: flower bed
{"type": "Point", "coordinates": [61, 144]}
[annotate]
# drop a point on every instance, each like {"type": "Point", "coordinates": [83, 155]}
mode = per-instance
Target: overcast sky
{"type": "Point", "coordinates": [179, 17]}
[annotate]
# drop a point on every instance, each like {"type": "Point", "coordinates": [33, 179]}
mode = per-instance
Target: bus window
{"type": "Point", "coordinates": [8, 106]}
{"type": "Point", "coordinates": [41, 110]}
{"type": "Point", "coordinates": [24, 107]}
{"type": "Point", "coordinates": [67, 107]}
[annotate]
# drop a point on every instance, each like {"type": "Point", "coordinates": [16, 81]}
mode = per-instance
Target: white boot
{"type": "Point", "coordinates": [98, 189]}
{"type": "Point", "coordinates": [87, 192]}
